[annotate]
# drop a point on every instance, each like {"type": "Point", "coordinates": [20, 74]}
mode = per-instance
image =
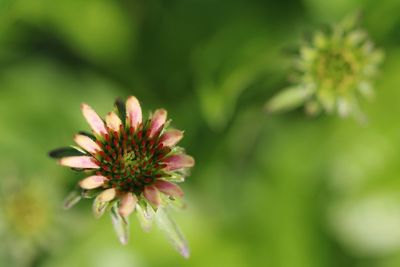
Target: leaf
{"type": "Point", "coordinates": [288, 99]}
{"type": "Point", "coordinates": [91, 136]}
{"type": "Point", "coordinates": [121, 225]}
{"type": "Point", "coordinates": [91, 193]}
{"type": "Point", "coordinates": [176, 177]}
{"type": "Point", "coordinates": [169, 227]}
{"type": "Point", "coordinates": [65, 152]}
{"type": "Point", "coordinates": [120, 105]}
{"type": "Point", "coordinates": [224, 72]}
{"type": "Point", "coordinates": [72, 198]}
{"type": "Point", "coordinates": [145, 215]}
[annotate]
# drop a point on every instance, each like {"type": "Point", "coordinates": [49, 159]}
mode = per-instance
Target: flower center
{"type": "Point", "coordinates": [27, 213]}
{"type": "Point", "coordinates": [335, 68]}
{"type": "Point", "coordinates": [131, 159]}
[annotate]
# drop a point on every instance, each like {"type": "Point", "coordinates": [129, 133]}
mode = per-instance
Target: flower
{"type": "Point", "coordinates": [131, 164]}
{"type": "Point", "coordinates": [331, 71]}
{"type": "Point", "coordinates": [28, 223]}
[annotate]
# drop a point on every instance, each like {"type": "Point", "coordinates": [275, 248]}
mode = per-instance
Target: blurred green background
{"type": "Point", "coordinates": [267, 190]}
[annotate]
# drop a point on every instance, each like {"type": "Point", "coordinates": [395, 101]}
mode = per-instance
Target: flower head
{"type": "Point", "coordinates": [332, 70]}
{"type": "Point", "coordinates": [27, 220]}
{"type": "Point", "coordinates": [132, 164]}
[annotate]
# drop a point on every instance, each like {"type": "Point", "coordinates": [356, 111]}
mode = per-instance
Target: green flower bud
{"type": "Point", "coordinates": [339, 65]}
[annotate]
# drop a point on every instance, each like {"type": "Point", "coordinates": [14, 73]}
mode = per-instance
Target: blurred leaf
{"type": "Point", "coordinates": [96, 30]}
{"type": "Point", "coordinates": [224, 70]}
{"type": "Point", "coordinates": [73, 198]}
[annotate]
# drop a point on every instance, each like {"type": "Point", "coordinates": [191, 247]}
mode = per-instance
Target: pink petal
{"type": "Point", "coordinates": [133, 111]}
{"type": "Point", "coordinates": [92, 182]}
{"type": "Point", "coordinates": [152, 195]}
{"type": "Point", "coordinates": [178, 162]}
{"type": "Point", "coordinates": [86, 143]}
{"type": "Point", "coordinates": [127, 204]}
{"type": "Point", "coordinates": [113, 121]}
{"type": "Point", "coordinates": [107, 195]}
{"type": "Point", "coordinates": [168, 188]}
{"type": "Point", "coordinates": [79, 162]}
{"type": "Point", "coordinates": [95, 122]}
{"type": "Point", "coordinates": [157, 121]}
{"type": "Point", "coordinates": [171, 137]}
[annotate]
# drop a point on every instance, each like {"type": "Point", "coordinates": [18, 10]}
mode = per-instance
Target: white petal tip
{"type": "Point", "coordinates": [152, 195]}
{"type": "Point", "coordinates": [169, 188]}
{"type": "Point", "coordinates": [107, 195]}
{"type": "Point", "coordinates": [127, 205]}
{"type": "Point", "coordinates": [92, 182]}
{"type": "Point", "coordinates": [86, 143]}
{"type": "Point", "coordinates": [113, 121]}
{"type": "Point", "coordinates": [171, 137]}
{"type": "Point", "coordinates": [133, 111]}
{"type": "Point", "coordinates": [93, 119]}
{"type": "Point", "coordinates": [179, 161]}
{"type": "Point", "coordinates": [158, 120]}
{"type": "Point", "coordinates": [79, 162]}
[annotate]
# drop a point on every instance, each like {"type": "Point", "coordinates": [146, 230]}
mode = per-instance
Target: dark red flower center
{"type": "Point", "coordinates": [130, 159]}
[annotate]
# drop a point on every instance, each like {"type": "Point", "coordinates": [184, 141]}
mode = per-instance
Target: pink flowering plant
{"type": "Point", "coordinates": [131, 165]}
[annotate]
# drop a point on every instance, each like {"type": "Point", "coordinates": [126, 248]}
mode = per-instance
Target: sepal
{"type": "Point", "coordinates": [121, 225]}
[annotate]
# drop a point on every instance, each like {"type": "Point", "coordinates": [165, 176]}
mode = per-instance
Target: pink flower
{"type": "Point", "coordinates": [129, 161]}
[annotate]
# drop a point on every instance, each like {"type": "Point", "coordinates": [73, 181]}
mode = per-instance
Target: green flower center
{"type": "Point", "coordinates": [26, 213]}
{"type": "Point", "coordinates": [335, 69]}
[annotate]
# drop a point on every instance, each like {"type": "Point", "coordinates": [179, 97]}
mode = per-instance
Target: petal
{"type": "Point", "coordinates": [133, 111]}
{"type": "Point", "coordinates": [79, 162]}
{"type": "Point", "coordinates": [168, 188]}
{"type": "Point", "coordinates": [92, 182]}
{"type": "Point", "coordinates": [128, 204]}
{"type": "Point", "coordinates": [86, 143]}
{"type": "Point", "coordinates": [95, 122]}
{"type": "Point", "coordinates": [107, 195]}
{"type": "Point", "coordinates": [178, 162]}
{"type": "Point", "coordinates": [157, 121]}
{"type": "Point", "coordinates": [289, 98]}
{"type": "Point", "coordinates": [172, 231]}
{"type": "Point", "coordinates": [171, 137]}
{"type": "Point", "coordinates": [113, 121]}
{"type": "Point", "coordinates": [152, 195]}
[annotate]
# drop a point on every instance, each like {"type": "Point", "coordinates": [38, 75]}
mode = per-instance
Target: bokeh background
{"type": "Point", "coordinates": [267, 190]}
